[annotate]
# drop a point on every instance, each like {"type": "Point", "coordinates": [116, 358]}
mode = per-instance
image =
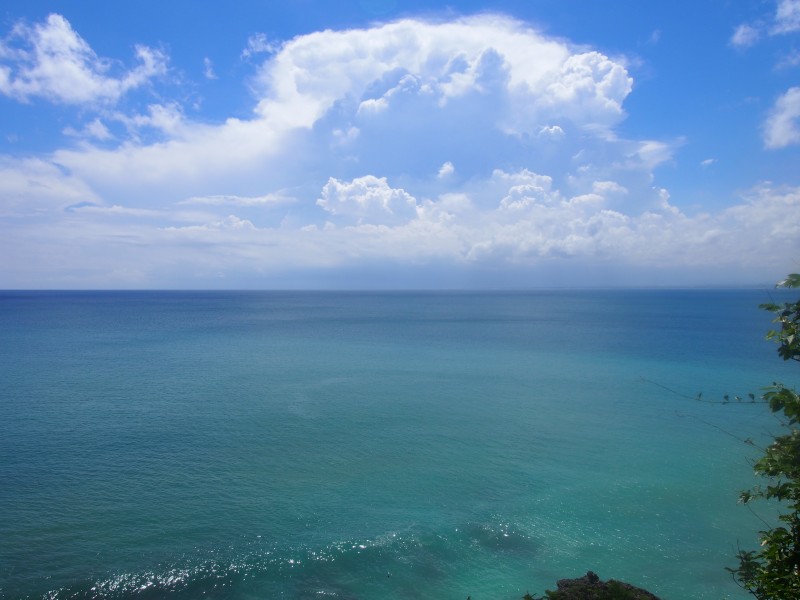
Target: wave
{"type": "Point", "coordinates": [396, 562]}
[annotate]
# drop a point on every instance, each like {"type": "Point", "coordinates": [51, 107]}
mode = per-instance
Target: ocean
{"type": "Point", "coordinates": [366, 445]}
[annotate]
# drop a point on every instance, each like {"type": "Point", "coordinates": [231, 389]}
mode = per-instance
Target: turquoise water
{"type": "Point", "coordinates": [372, 445]}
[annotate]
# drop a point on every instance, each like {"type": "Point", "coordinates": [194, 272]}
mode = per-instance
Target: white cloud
{"type": "Point", "coordinates": [98, 130]}
{"type": "Point", "coordinates": [745, 36]}
{"type": "Point", "coordinates": [35, 187]}
{"type": "Point", "coordinates": [789, 60]}
{"type": "Point", "coordinates": [552, 131]}
{"type": "Point", "coordinates": [230, 200]}
{"type": "Point", "coordinates": [51, 60]}
{"type": "Point", "coordinates": [344, 137]}
{"type": "Point", "coordinates": [187, 155]}
{"type": "Point", "coordinates": [208, 69]}
{"type": "Point", "coordinates": [258, 43]}
{"type": "Point", "coordinates": [597, 83]}
{"type": "Point", "coordinates": [604, 188]}
{"type": "Point", "coordinates": [653, 153]}
{"type": "Point", "coordinates": [95, 129]}
{"type": "Point", "coordinates": [117, 211]}
{"type": "Point", "coordinates": [541, 79]}
{"type": "Point", "coordinates": [782, 127]}
{"type": "Point", "coordinates": [165, 118]}
{"type": "Point", "coordinates": [367, 199]}
{"type": "Point", "coordinates": [525, 189]}
{"type": "Point", "coordinates": [548, 226]}
{"type": "Point", "coordinates": [491, 72]}
{"type": "Point", "coordinates": [529, 120]}
{"type": "Point", "coordinates": [531, 223]}
{"type": "Point", "coordinates": [446, 170]}
{"type": "Point", "coordinates": [787, 17]}
{"type": "Point", "coordinates": [231, 222]}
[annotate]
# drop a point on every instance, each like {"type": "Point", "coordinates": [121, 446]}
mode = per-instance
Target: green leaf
{"type": "Point", "coordinates": [792, 281]}
{"type": "Point", "coordinates": [773, 571]}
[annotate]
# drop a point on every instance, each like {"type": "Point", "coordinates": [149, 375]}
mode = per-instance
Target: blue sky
{"type": "Point", "coordinates": [398, 144]}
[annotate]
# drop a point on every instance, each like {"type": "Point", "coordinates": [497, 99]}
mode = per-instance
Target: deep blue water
{"type": "Point", "coordinates": [372, 445]}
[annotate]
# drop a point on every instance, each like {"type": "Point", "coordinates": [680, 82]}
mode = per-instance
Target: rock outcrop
{"type": "Point", "coordinates": [590, 587]}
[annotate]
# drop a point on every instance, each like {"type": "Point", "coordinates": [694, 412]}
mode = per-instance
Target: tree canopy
{"type": "Point", "coordinates": [773, 571]}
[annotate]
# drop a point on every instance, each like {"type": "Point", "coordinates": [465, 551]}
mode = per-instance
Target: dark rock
{"type": "Point", "coordinates": [590, 587]}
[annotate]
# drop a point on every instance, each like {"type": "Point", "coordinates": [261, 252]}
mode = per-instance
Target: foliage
{"type": "Point", "coordinates": [788, 315]}
{"type": "Point", "coordinates": [773, 572]}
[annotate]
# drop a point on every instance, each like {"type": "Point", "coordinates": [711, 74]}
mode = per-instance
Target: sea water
{"type": "Point", "coordinates": [358, 445]}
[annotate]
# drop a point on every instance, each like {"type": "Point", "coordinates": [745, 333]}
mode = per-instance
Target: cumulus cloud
{"type": "Point", "coordinates": [541, 80]}
{"type": "Point", "coordinates": [349, 157]}
{"type": "Point", "coordinates": [782, 127]}
{"type": "Point", "coordinates": [533, 221]}
{"type": "Point", "coordinates": [446, 170]}
{"type": "Point", "coordinates": [525, 189]}
{"type": "Point", "coordinates": [399, 81]}
{"type": "Point", "coordinates": [547, 225]}
{"type": "Point", "coordinates": [552, 131]}
{"type": "Point", "coordinates": [596, 81]}
{"type": "Point", "coordinates": [52, 61]}
{"type": "Point", "coordinates": [367, 199]}
{"type": "Point", "coordinates": [529, 223]}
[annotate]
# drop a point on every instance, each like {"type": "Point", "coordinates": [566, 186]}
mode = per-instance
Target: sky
{"type": "Point", "coordinates": [391, 144]}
